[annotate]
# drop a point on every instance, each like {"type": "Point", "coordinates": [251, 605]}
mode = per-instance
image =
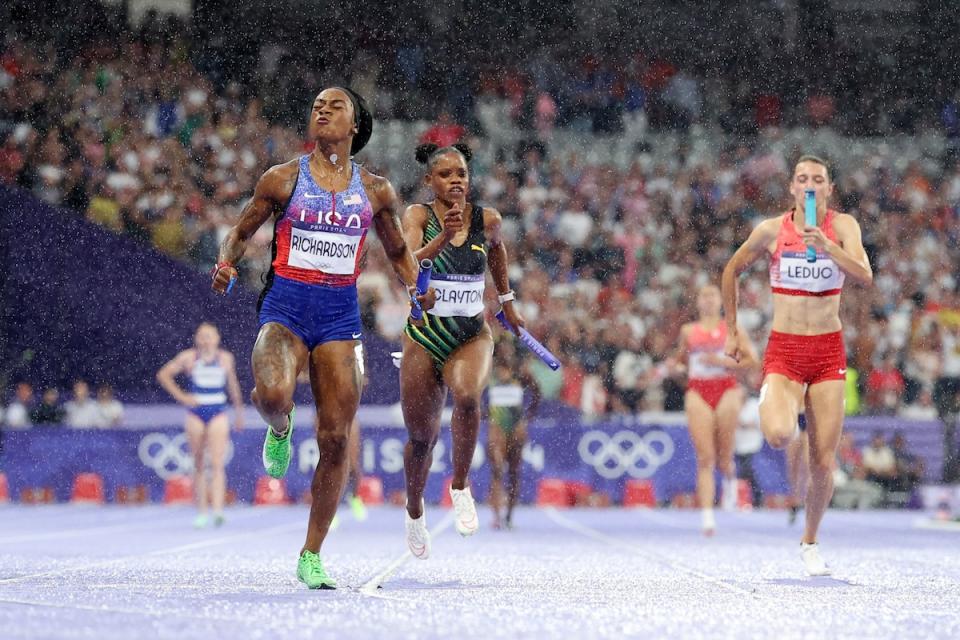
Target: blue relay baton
{"type": "Point", "coordinates": [233, 278]}
{"type": "Point", "coordinates": [810, 219]}
{"type": "Point", "coordinates": [423, 284]}
{"type": "Point", "coordinates": [531, 343]}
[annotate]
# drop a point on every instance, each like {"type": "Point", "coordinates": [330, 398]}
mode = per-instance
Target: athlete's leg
{"type": "Point", "coordinates": [336, 382]}
{"type": "Point", "coordinates": [218, 437]}
{"type": "Point", "coordinates": [825, 407]}
{"type": "Point", "coordinates": [354, 472]}
{"type": "Point", "coordinates": [703, 425]}
{"type": "Point", "coordinates": [497, 455]}
{"type": "Point", "coordinates": [466, 373]}
{"type": "Point", "coordinates": [278, 356]}
{"type": "Point", "coordinates": [780, 400]}
{"type": "Point", "coordinates": [515, 443]}
{"type": "Point", "coordinates": [194, 428]}
{"type": "Point", "coordinates": [727, 416]}
{"type": "Point", "coordinates": [797, 471]}
{"type": "Point", "coordinates": [421, 398]}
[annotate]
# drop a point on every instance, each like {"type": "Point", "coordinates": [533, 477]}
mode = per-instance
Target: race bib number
{"type": "Point", "coordinates": [797, 273]}
{"type": "Point", "coordinates": [506, 395]}
{"type": "Point", "coordinates": [700, 370]}
{"type": "Point", "coordinates": [325, 248]}
{"type": "Point", "coordinates": [458, 295]}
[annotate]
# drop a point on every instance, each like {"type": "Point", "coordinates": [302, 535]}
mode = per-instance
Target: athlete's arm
{"type": "Point", "coordinates": [169, 371]}
{"type": "Point", "coordinates": [530, 383]}
{"type": "Point", "coordinates": [272, 190]}
{"type": "Point", "coordinates": [415, 221]}
{"type": "Point", "coordinates": [387, 223]}
{"type": "Point", "coordinates": [676, 363]}
{"type": "Point", "coordinates": [498, 263]}
{"type": "Point", "coordinates": [748, 353]}
{"type": "Point", "coordinates": [848, 251]}
{"type": "Point", "coordinates": [749, 252]}
{"type": "Point", "coordinates": [233, 388]}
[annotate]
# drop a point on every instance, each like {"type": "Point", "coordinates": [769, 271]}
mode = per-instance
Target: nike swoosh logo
{"type": "Point", "coordinates": [842, 371]}
{"type": "Point", "coordinates": [356, 336]}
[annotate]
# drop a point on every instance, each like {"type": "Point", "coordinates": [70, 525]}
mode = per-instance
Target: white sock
{"type": "Point", "coordinates": [730, 488]}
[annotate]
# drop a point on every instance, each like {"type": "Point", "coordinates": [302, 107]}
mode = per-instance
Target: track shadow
{"type": "Point", "coordinates": [415, 585]}
{"type": "Point", "coordinates": [819, 582]}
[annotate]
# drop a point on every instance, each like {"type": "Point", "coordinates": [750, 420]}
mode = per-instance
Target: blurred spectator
{"type": "Point", "coordinates": [851, 392]}
{"type": "Point", "coordinates": [922, 364]}
{"type": "Point", "coordinates": [18, 412]}
{"type": "Point", "coordinates": [909, 466]}
{"type": "Point", "coordinates": [922, 409]}
{"type": "Point", "coordinates": [49, 410]}
{"type": "Point", "coordinates": [946, 396]}
{"type": "Point", "coordinates": [110, 409]}
{"type": "Point", "coordinates": [885, 387]}
{"type": "Point", "coordinates": [444, 132]}
{"type": "Point", "coordinates": [852, 490]}
{"type": "Point", "coordinates": [82, 411]}
{"type": "Point", "coordinates": [879, 462]}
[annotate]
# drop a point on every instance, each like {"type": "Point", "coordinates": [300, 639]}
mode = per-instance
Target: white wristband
{"type": "Point", "coordinates": [507, 297]}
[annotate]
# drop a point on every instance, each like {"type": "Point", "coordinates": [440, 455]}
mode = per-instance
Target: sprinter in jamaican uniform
{"type": "Point", "coordinates": [452, 347]}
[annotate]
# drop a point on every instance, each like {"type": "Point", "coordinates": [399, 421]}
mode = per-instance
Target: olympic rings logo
{"type": "Point", "coordinates": [626, 452]}
{"type": "Point", "coordinates": [170, 456]}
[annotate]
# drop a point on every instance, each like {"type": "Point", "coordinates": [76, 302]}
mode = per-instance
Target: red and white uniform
{"type": "Point", "coordinates": [805, 359]}
{"type": "Point", "coordinates": [709, 381]}
{"type": "Point", "coordinates": [792, 275]}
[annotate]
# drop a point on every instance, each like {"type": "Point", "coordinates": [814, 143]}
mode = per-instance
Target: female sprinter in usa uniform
{"type": "Point", "coordinates": [806, 343]}
{"type": "Point", "coordinates": [453, 347]}
{"type": "Point", "coordinates": [213, 374]}
{"type": "Point", "coordinates": [713, 400]}
{"type": "Point", "coordinates": [322, 205]}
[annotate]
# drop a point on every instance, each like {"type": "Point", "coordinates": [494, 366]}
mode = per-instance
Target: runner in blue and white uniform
{"type": "Point", "coordinates": [212, 377]}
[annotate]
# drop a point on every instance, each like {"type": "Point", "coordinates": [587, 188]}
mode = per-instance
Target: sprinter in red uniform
{"type": "Point", "coordinates": [806, 343]}
{"type": "Point", "coordinates": [713, 400]}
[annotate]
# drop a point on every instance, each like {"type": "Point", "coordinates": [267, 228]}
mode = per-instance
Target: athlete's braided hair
{"type": "Point", "coordinates": [428, 152]}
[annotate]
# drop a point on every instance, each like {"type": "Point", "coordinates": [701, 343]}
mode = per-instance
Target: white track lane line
{"type": "Point", "coordinates": [370, 587]}
{"type": "Point", "coordinates": [115, 610]}
{"type": "Point", "coordinates": [170, 517]}
{"type": "Point", "coordinates": [589, 532]}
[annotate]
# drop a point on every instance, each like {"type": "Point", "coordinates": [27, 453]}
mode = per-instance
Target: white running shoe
{"type": "Point", "coordinates": [708, 522]}
{"type": "Point", "coordinates": [418, 538]}
{"type": "Point", "coordinates": [811, 558]}
{"type": "Point", "coordinates": [728, 499]}
{"type": "Point", "coordinates": [466, 520]}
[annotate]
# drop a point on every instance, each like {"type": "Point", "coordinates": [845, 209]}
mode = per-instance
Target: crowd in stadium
{"type": "Point", "coordinates": [132, 135]}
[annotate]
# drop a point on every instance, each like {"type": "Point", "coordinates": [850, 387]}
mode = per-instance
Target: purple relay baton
{"type": "Point", "coordinates": [423, 283]}
{"type": "Point", "coordinates": [532, 343]}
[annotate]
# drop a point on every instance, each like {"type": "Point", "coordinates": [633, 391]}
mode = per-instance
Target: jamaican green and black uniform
{"type": "Point", "coordinates": [505, 403]}
{"type": "Point", "coordinates": [459, 276]}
